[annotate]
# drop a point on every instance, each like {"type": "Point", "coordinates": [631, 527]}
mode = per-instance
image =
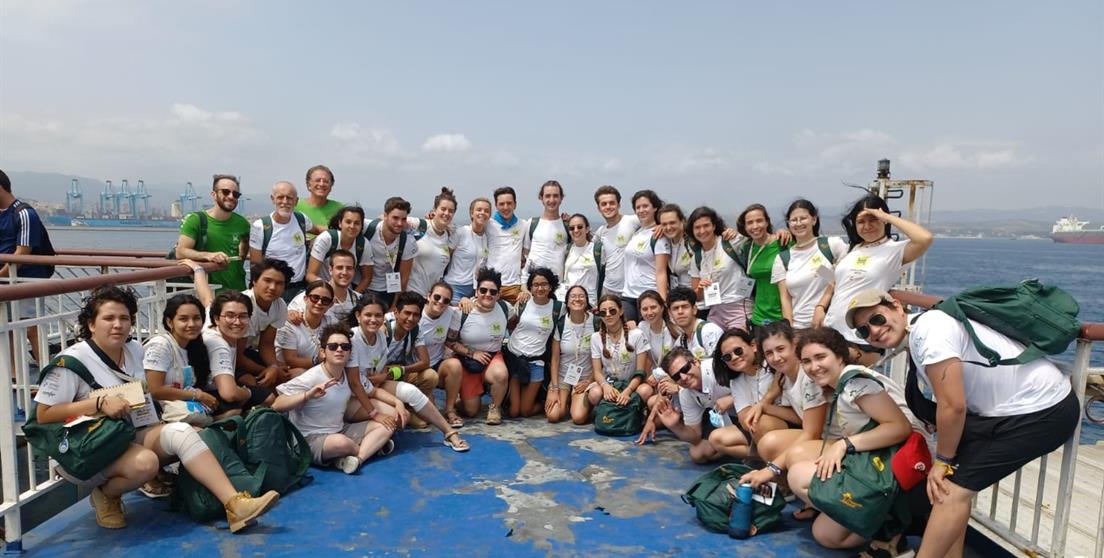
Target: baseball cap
{"type": "Point", "coordinates": [865, 299]}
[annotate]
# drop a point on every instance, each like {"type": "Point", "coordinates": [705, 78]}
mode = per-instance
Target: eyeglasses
{"type": "Point", "coordinates": [235, 317]}
{"type": "Point", "coordinates": [737, 352]}
{"type": "Point", "coordinates": [319, 299]}
{"type": "Point", "coordinates": [799, 220]}
{"type": "Point", "coordinates": [576, 227]}
{"type": "Point", "coordinates": [877, 320]}
{"type": "Point", "coordinates": [541, 286]}
{"type": "Point", "coordinates": [577, 296]}
{"type": "Point", "coordinates": [486, 290]}
{"type": "Point", "coordinates": [342, 346]}
{"type": "Point", "coordinates": [226, 192]}
{"type": "Point", "coordinates": [606, 312]}
{"type": "Point", "coordinates": [685, 370]}
{"type": "Point", "coordinates": [438, 298]}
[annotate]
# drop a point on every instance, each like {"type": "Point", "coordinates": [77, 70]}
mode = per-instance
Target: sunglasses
{"type": "Point", "coordinates": [737, 352]}
{"type": "Point", "coordinates": [576, 227]}
{"type": "Point", "coordinates": [485, 290]}
{"type": "Point", "coordinates": [343, 346]}
{"type": "Point", "coordinates": [319, 299]}
{"type": "Point", "coordinates": [438, 298]}
{"type": "Point", "coordinates": [606, 312]}
{"type": "Point", "coordinates": [677, 375]}
{"type": "Point", "coordinates": [231, 193]}
{"type": "Point", "coordinates": [863, 331]}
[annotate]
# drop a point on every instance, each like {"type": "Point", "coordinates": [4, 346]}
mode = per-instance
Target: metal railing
{"type": "Point", "coordinates": [38, 318]}
{"type": "Point", "coordinates": [1031, 488]}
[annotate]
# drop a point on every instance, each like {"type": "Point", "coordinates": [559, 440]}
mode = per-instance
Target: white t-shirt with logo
{"type": "Point", "coordinates": [621, 364]}
{"type": "Point", "coordinates": [468, 256]}
{"type": "Point", "coordinates": [534, 326]}
{"type": "Point", "coordinates": [864, 267]}
{"type": "Point", "coordinates": [749, 389]}
{"type": "Point", "coordinates": [64, 386]}
{"type": "Point", "coordinates": [1001, 391]}
{"type": "Point", "coordinates": [640, 262]}
{"type": "Point", "coordinates": [301, 338]}
{"type": "Point", "coordinates": [717, 266]}
{"type": "Point", "coordinates": [164, 354]}
{"type": "Point", "coordinates": [710, 334]}
{"type": "Point", "coordinates": [658, 343]}
{"type": "Point", "coordinates": [287, 244]}
{"type": "Point", "coordinates": [260, 320]}
{"type": "Point", "coordinates": [546, 246]}
{"type": "Point", "coordinates": [798, 396]}
{"type": "Point", "coordinates": [320, 247]}
{"type": "Point", "coordinates": [401, 350]}
{"type": "Point", "coordinates": [807, 275]}
{"type": "Point", "coordinates": [695, 403]}
{"type": "Point", "coordinates": [222, 357]}
{"type": "Point", "coordinates": [504, 249]}
{"type": "Point", "coordinates": [850, 418]}
{"type": "Point", "coordinates": [433, 333]}
{"type": "Point", "coordinates": [325, 415]}
{"type": "Point", "coordinates": [368, 357]}
{"type": "Point", "coordinates": [614, 240]}
{"type": "Point", "coordinates": [434, 251]}
{"type": "Point", "coordinates": [575, 344]}
{"type": "Point", "coordinates": [483, 331]}
{"type": "Point", "coordinates": [681, 258]}
{"type": "Point", "coordinates": [384, 256]}
{"type": "Point", "coordinates": [337, 311]}
{"type": "Point", "coordinates": [580, 269]}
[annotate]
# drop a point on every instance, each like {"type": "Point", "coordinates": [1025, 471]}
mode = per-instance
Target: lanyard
{"type": "Point", "coordinates": [751, 258]}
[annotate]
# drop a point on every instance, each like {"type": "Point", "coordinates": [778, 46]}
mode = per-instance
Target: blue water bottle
{"type": "Point", "coordinates": [739, 518]}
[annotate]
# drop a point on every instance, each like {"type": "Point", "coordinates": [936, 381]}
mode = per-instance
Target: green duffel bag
{"type": "Point", "coordinates": [713, 493]}
{"type": "Point", "coordinates": [200, 503]}
{"type": "Point", "coordinates": [270, 440]}
{"type": "Point", "coordinates": [611, 419]}
{"type": "Point", "coordinates": [82, 449]}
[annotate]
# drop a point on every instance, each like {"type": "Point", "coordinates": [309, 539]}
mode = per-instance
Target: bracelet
{"type": "Point", "coordinates": [198, 269]}
{"type": "Point", "coordinates": [820, 306]}
{"type": "Point", "coordinates": [99, 402]}
{"type": "Point", "coordinates": [775, 469]}
{"type": "Point", "coordinates": [947, 460]}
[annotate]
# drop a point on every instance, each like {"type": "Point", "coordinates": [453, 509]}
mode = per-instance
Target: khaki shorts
{"type": "Point", "coordinates": [317, 442]}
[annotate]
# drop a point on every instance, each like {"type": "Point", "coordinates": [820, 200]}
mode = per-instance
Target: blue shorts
{"type": "Point", "coordinates": [526, 370]}
{"type": "Point", "coordinates": [462, 291]}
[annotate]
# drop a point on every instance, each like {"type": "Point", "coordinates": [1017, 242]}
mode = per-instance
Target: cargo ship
{"type": "Point", "coordinates": [1069, 230]}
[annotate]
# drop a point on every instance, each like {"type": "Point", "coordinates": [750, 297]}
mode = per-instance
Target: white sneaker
{"type": "Point", "coordinates": [349, 464]}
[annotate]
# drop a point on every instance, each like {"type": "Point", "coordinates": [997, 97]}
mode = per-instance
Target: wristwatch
{"type": "Point", "coordinates": [850, 447]}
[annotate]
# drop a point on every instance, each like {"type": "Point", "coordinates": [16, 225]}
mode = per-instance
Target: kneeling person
{"type": "Point", "coordinates": [700, 397]}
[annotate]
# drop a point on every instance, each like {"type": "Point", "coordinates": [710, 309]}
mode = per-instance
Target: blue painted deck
{"type": "Point", "coordinates": [526, 489]}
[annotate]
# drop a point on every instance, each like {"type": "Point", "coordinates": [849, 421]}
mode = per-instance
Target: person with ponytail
{"type": "Point", "coordinates": [345, 227]}
{"type": "Point", "coordinates": [436, 244]}
{"type": "Point", "coordinates": [739, 363]}
{"type": "Point", "coordinates": [618, 357]}
{"type": "Point", "coordinates": [805, 269]}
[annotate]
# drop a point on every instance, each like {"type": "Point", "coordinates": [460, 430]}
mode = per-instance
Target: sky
{"type": "Point", "coordinates": [720, 103]}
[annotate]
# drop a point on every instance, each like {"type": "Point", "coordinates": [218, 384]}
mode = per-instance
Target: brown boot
{"type": "Point", "coordinates": [242, 510]}
{"type": "Point", "coordinates": [109, 510]}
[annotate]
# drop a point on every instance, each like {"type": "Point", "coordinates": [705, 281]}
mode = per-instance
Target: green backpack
{"type": "Point", "coordinates": [739, 253]}
{"type": "Point", "coordinates": [192, 497]}
{"type": "Point", "coordinates": [712, 498]}
{"type": "Point", "coordinates": [822, 245]}
{"type": "Point", "coordinates": [1042, 317]}
{"type": "Point", "coordinates": [611, 419]}
{"type": "Point", "coordinates": [271, 441]}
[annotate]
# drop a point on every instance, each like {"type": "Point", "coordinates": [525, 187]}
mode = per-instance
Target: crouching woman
{"type": "Point", "coordinates": [317, 400]}
{"type": "Point", "coordinates": [106, 320]}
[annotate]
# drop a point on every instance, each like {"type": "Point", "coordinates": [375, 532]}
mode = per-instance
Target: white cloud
{"type": "Point", "coordinates": [374, 147]}
{"type": "Point", "coordinates": [447, 143]}
{"type": "Point", "coordinates": [767, 168]}
{"type": "Point", "coordinates": [963, 155]}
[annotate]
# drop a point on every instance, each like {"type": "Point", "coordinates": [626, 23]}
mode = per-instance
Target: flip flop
{"type": "Point", "coordinates": [454, 419]}
{"type": "Point", "coordinates": [807, 513]}
{"type": "Point", "coordinates": [459, 445]}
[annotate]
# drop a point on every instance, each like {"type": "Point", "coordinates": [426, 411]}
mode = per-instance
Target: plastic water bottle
{"type": "Point", "coordinates": [739, 518]}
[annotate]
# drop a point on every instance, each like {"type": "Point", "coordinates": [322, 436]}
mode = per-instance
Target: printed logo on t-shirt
{"type": "Point", "coordinates": [439, 330]}
{"type": "Point", "coordinates": [624, 356]}
{"type": "Point", "coordinates": [445, 250]}
{"type": "Point", "coordinates": [717, 262]}
{"type": "Point", "coordinates": [621, 240]}
{"type": "Point", "coordinates": [861, 261]}
{"type": "Point", "coordinates": [640, 244]}
{"type": "Point", "coordinates": [496, 328]}
{"type": "Point", "coordinates": [666, 348]}
{"type": "Point", "coordinates": [515, 233]}
{"type": "Point", "coordinates": [684, 258]}
{"type": "Point", "coordinates": [817, 261]}
{"type": "Point", "coordinates": [586, 339]}
{"type": "Point", "coordinates": [545, 322]}
{"type": "Point", "coordinates": [587, 260]}
{"type": "Point", "coordinates": [561, 238]}
{"type": "Point", "coordinates": [297, 238]}
{"type": "Point", "coordinates": [699, 353]}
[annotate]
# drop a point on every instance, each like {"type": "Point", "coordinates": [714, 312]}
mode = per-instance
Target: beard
{"type": "Point", "coordinates": [228, 205]}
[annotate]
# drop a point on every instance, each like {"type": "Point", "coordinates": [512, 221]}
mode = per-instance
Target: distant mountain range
{"type": "Point", "coordinates": [51, 188]}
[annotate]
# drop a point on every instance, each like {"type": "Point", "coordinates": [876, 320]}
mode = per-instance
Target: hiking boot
{"type": "Point", "coordinates": [416, 423]}
{"type": "Point", "coordinates": [242, 510]}
{"type": "Point", "coordinates": [348, 464]}
{"type": "Point", "coordinates": [494, 415]}
{"type": "Point", "coordinates": [109, 510]}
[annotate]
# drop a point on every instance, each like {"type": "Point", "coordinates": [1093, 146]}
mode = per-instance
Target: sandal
{"type": "Point", "coordinates": [458, 444]}
{"type": "Point", "coordinates": [808, 513]}
{"type": "Point", "coordinates": [155, 488]}
{"type": "Point", "coordinates": [386, 449]}
{"type": "Point", "coordinates": [454, 419]}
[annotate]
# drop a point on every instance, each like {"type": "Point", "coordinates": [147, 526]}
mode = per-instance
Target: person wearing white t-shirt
{"type": "Point", "coordinates": [318, 400]}
{"type": "Point", "coordinates": [804, 270]}
{"type": "Point", "coordinates": [614, 235]}
{"type": "Point", "coordinates": [570, 363]}
{"type": "Point", "coordinates": [700, 396]}
{"type": "Point", "coordinates": [719, 280]}
{"type": "Point", "coordinates": [583, 261]}
{"type": "Point", "coordinates": [175, 362]}
{"type": "Point", "coordinates": [691, 332]}
{"type": "Point", "coordinates": [673, 224]}
{"type": "Point", "coordinates": [471, 251]}
{"type": "Point", "coordinates": [107, 320]}
{"type": "Point", "coordinates": [618, 357]}
{"type": "Point", "coordinates": [505, 237]}
{"type": "Point", "coordinates": [347, 227]}
{"type": "Point", "coordinates": [478, 340]}
{"type": "Point", "coordinates": [524, 355]}
{"type": "Point", "coordinates": [646, 255]}
{"type": "Point", "coordinates": [546, 237]}
{"type": "Point", "coordinates": [436, 245]}
{"type": "Point", "coordinates": [230, 314]}
{"type": "Point", "coordinates": [874, 262]}
{"type": "Point", "coordinates": [286, 231]}
{"type": "Point", "coordinates": [657, 328]}
{"type": "Point", "coordinates": [342, 265]}
{"type": "Point", "coordinates": [256, 360]}
{"type": "Point", "coordinates": [738, 361]}
{"type": "Point", "coordinates": [297, 343]}
{"type": "Point", "coordinates": [389, 272]}
{"type": "Point", "coordinates": [1033, 403]}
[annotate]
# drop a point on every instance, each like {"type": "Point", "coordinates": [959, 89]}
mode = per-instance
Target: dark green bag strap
{"type": "Point", "coordinates": [993, 358]}
{"type": "Point", "coordinates": [201, 237]}
{"type": "Point", "coordinates": [600, 263]}
{"type": "Point", "coordinates": [402, 247]}
{"type": "Point", "coordinates": [370, 230]}
{"type": "Point", "coordinates": [843, 379]}
{"type": "Point", "coordinates": [335, 241]}
{"type": "Point", "coordinates": [533, 223]}
{"type": "Point", "coordinates": [266, 231]}
{"type": "Point", "coordinates": [739, 254]}
{"type": "Point", "coordinates": [70, 363]}
{"type": "Point", "coordinates": [698, 332]}
{"type": "Point", "coordinates": [825, 249]}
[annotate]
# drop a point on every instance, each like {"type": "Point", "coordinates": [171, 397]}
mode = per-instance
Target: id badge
{"type": "Point", "coordinates": [394, 282]}
{"type": "Point", "coordinates": [744, 286]}
{"type": "Point", "coordinates": [144, 415]}
{"type": "Point", "coordinates": [572, 374]}
{"type": "Point", "coordinates": [712, 294]}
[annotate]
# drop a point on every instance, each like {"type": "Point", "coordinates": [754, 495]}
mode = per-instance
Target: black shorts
{"type": "Point", "coordinates": [994, 447]}
{"type": "Point", "coordinates": [472, 366]}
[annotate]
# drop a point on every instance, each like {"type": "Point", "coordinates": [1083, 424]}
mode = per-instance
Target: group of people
{"type": "Point", "coordinates": [736, 339]}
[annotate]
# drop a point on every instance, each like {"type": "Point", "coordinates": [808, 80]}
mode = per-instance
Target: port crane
{"type": "Point", "coordinates": [188, 199]}
{"type": "Point", "coordinates": [74, 198]}
{"type": "Point", "coordinates": [109, 201]}
{"type": "Point", "coordinates": [139, 200]}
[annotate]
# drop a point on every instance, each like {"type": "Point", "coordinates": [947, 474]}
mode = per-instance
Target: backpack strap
{"type": "Point", "coordinates": [72, 364]}
{"type": "Point", "coordinates": [370, 230]}
{"type": "Point", "coordinates": [533, 223]}
{"type": "Point", "coordinates": [825, 248]}
{"type": "Point", "coordinates": [739, 253]}
{"type": "Point", "coordinates": [697, 251]}
{"type": "Point", "coordinates": [266, 229]}
{"type": "Point", "coordinates": [402, 248]}
{"type": "Point", "coordinates": [335, 241]}
{"type": "Point", "coordinates": [784, 255]}
{"type": "Point", "coordinates": [600, 263]}
{"type": "Point", "coordinates": [844, 378]}
{"type": "Point", "coordinates": [505, 308]}
{"type": "Point", "coordinates": [951, 307]}
{"type": "Point", "coordinates": [560, 323]}
{"type": "Point", "coordinates": [557, 309]}
{"type": "Point", "coordinates": [698, 333]}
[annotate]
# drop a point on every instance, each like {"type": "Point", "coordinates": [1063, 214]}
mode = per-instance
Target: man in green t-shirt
{"type": "Point", "coordinates": [226, 239]}
{"type": "Point", "coordinates": [317, 205]}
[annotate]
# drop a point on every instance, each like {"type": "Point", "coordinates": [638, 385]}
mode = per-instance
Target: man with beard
{"type": "Point", "coordinates": [282, 235]}
{"type": "Point", "coordinates": [218, 234]}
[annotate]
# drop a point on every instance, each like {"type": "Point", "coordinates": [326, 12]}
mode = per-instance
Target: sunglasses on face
{"type": "Point", "coordinates": [576, 227]}
{"type": "Point", "coordinates": [437, 298]}
{"type": "Point", "coordinates": [606, 313]}
{"type": "Point", "coordinates": [226, 192]}
{"type": "Point", "coordinates": [488, 291]}
{"type": "Point", "coordinates": [737, 352]}
{"type": "Point", "coordinates": [677, 375]}
{"type": "Point", "coordinates": [877, 320]}
{"type": "Point", "coordinates": [343, 346]}
{"type": "Point", "coordinates": [319, 299]}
